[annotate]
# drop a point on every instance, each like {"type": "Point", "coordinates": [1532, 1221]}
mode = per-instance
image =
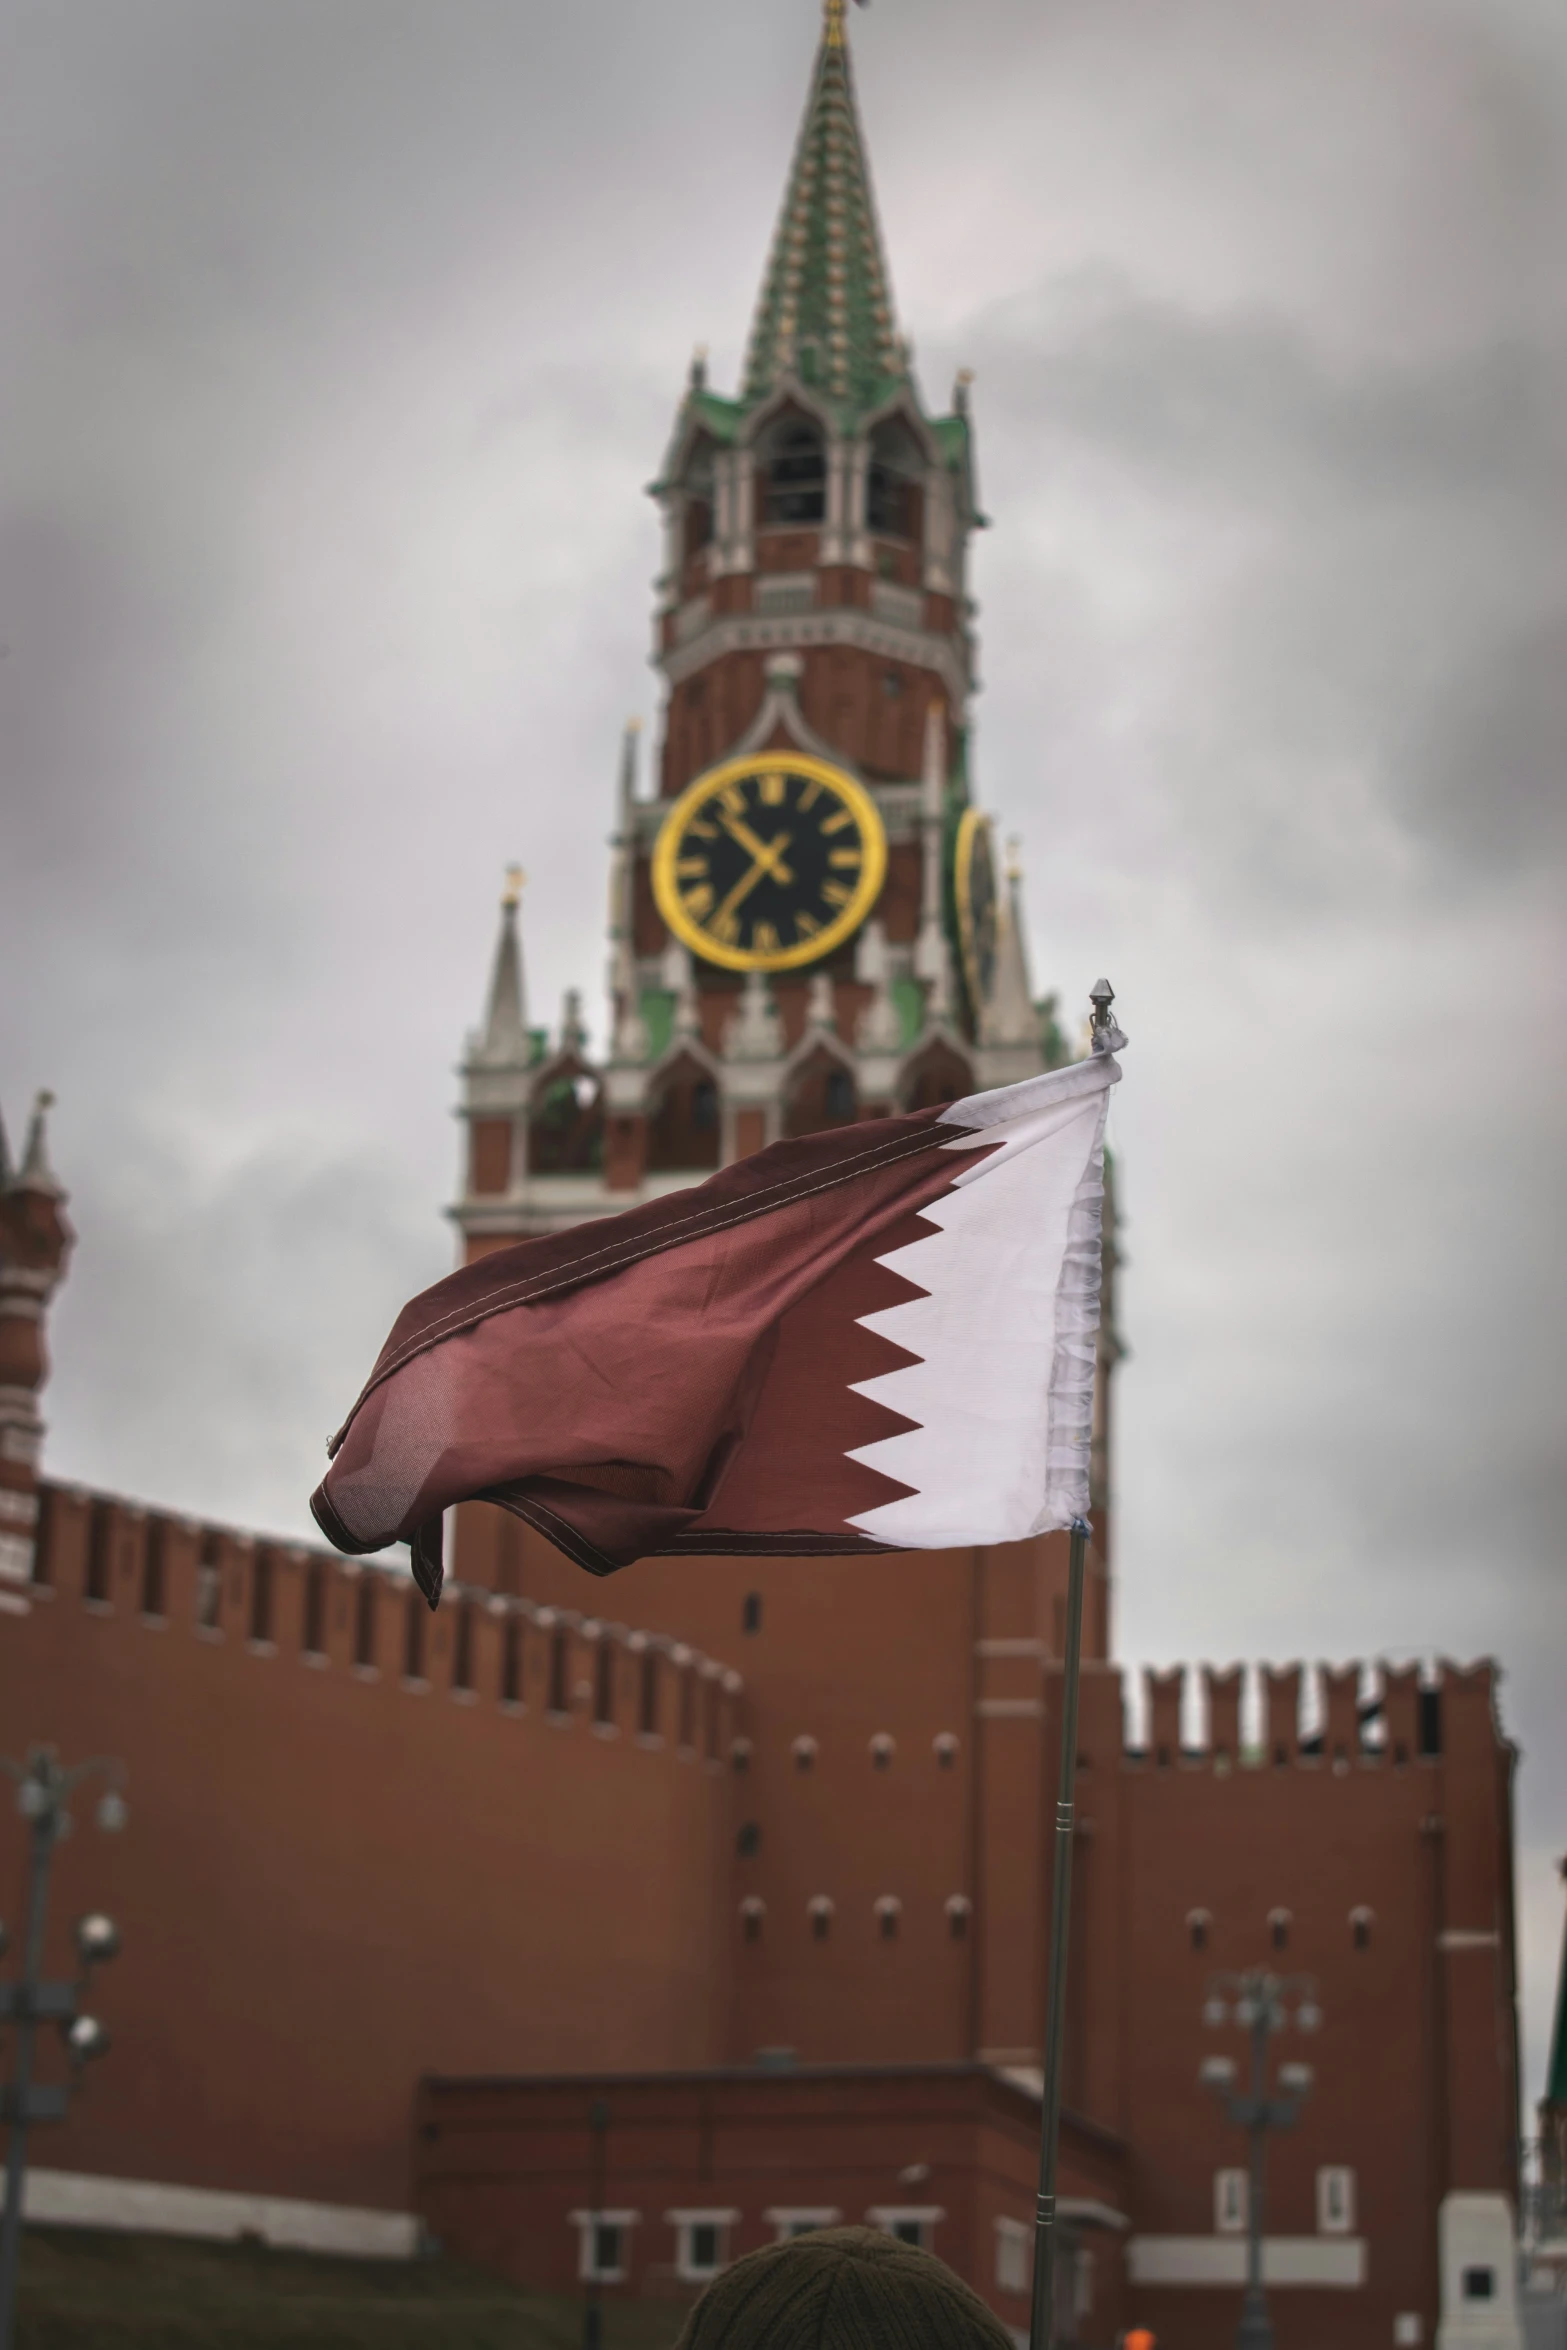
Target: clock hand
{"type": "Point", "coordinates": [768, 853]}
{"type": "Point", "coordinates": [764, 866]}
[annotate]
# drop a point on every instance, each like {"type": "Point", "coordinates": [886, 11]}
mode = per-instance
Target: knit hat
{"type": "Point", "coordinates": [841, 2289]}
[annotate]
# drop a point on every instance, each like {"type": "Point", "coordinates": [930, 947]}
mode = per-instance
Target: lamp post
{"type": "Point", "coordinates": [592, 2291]}
{"type": "Point", "coordinates": [43, 1792]}
{"type": "Point", "coordinates": [1260, 2003]}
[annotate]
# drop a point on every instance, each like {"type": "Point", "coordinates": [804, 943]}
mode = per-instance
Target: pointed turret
{"type": "Point", "coordinates": [504, 1041]}
{"type": "Point", "coordinates": [35, 1172]}
{"type": "Point", "coordinates": [825, 310]}
{"type": "Point", "coordinates": [1009, 1018]}
{"type": "Point", "coordinates": [35, 1241]}
{"type": "Point", "coordinates": [628, 1038]}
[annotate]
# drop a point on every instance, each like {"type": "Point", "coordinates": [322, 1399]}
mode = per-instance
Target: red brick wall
{"type": "Point", "coordinates": [843, 696]}
{"type": "Point", "coordinates": [1415, 2084]}
{"type": "Point", "coordinates": [847, 1650]}
{"type": "Point", "coordinates": [503, 2164]}
{"type": "Point", "coordinates": [331, 1884]}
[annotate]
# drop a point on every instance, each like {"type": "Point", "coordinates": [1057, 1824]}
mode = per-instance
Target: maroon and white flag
{"type": "Point", "coordinates": [878, 1338]}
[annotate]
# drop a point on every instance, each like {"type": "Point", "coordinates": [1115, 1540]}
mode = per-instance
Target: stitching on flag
{"type": "Point", "coordinates": [628, 1253]}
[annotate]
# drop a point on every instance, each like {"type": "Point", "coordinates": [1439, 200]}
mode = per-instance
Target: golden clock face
{"type": "Point", "coordinates": [768, 862]}
{"type": "Point", "coordinates": [975, 888]}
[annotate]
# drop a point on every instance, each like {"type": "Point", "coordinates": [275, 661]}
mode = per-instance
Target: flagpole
{"type": "Point", "coordinates": [1042, 2318]}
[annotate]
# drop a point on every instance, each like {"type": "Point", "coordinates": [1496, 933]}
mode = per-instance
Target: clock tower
{"type": "Point", "coordinates": [808, 925]}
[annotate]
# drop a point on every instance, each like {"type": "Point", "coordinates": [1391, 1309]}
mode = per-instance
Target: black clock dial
{"type": "Point", "coordinates": [769, 862]}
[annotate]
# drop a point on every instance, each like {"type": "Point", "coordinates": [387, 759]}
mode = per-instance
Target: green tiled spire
{"type": "Point", "coordinates": [826, 304]}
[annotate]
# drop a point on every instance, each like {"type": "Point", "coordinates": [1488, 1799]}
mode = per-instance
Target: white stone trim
{"type": "Point", "coordinates": [585, 2222]}
{"type": "Point", "coordinates": [745, 632]}
{"type": "Point", "coordinates": [1337, 2262]}
{"type": "Point", "coordinates": [77, 2199]}
{"type": "Point", "coordinates": [16, 1558]}
{"type": "Point", "coordinates": [787, 2219]}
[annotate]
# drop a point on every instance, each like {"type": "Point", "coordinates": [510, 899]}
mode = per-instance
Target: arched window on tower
{"type": "Point", "coordinates": [566, 1122]}
{"type": "Point", "coordinates": [697, 522]}
{"type": "Point", "coordinates": [936, 1076]}
{"type": "Point", "coordinates": [794, 475]}
{"type": "Point", "coordinates": [683, 1132]}
{"type": "Point", "coordinates": [821, 1094]}
{"type": "Point", "coordinates": [894, 493]}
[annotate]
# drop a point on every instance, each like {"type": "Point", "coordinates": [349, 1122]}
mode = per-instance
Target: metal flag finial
{"type": "Point", "coordinates": [1104, 1036]}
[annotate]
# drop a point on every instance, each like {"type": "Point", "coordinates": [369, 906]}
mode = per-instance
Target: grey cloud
{"type": "Point", "coordinates": [342, 341]}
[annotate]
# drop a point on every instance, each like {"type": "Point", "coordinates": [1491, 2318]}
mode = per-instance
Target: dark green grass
{"type": "Point", "coordinates": [84, 2291]}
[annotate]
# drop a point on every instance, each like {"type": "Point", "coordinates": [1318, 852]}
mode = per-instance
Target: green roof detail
{"type": "Point", "coordinates": [825, 311]}
{"type": "Point", "coordinates": [657, 1007]}
{"type": "Point", "coordinates": [824, 317]}
{"type": "Point", "coordinates": [909, 998]}
{"type": "Point", "coordinates": [721, 417]}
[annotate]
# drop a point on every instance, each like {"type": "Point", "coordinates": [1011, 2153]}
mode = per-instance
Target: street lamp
{"type": "Point", "coordinates": [43, 1792]}
{"type": "Point", "coordinates": [592, 2293]}
{"type": "Point", "coordinates": [1261, 2004]}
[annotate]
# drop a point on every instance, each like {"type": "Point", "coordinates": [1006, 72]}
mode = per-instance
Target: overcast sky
{"type": "Point", "coordinates": [340, 338]}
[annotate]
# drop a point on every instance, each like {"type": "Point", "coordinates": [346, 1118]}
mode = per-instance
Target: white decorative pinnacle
{"type": "Point", "coordinates": [756, 1032]}
{"type": "Point", "coordinates": [819, 1014]}
{"type": "Point", "coordinates": [628, 1031]}
{"type": "Point", "coordinates": [35, 1172]}
{"type": "Point", "coordinates": [1009, 1018]}
{"type": "Point", "coordinates": [879, 1029]}
{"type": "Point", "coordinates": [505, 1042]}
{"type": "Point", "coordinates": [573, 1032]}
{"type": "Point", "coordinates": [678, 974]}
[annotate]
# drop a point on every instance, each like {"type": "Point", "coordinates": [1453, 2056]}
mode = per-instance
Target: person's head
{"type": "Point", "coordinates": [841, 2289]}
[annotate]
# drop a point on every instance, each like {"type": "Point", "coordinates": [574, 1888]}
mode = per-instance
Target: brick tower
{"type": "Point", "coordinates": [813, 605]}
{"type": "Point", "coordinates": [813, 632]}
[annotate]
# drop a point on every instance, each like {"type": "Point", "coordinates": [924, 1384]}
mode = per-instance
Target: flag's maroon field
{"type": "Point", "coordinates": [871, 1339]}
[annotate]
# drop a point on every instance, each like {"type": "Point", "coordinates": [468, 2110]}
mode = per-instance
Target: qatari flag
{"type": "Point", "coordinates": [880, 1338]}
